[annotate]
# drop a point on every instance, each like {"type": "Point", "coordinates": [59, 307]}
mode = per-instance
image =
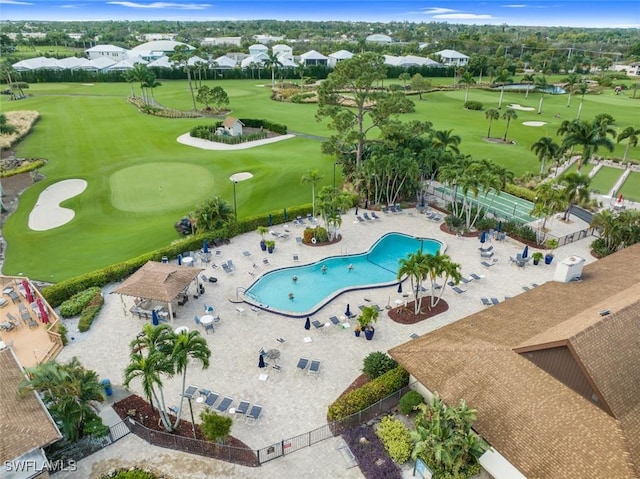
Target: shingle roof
{"type": "Point", "coordinates": [540, 425]}
{"type": "Point", "coordinates": [25, 423]}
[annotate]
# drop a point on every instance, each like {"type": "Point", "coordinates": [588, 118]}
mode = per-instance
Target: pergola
{"type": "Point", "coordinates": [159, 282]}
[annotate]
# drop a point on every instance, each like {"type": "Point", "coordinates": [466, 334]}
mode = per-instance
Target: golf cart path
{"type": "Point", "coordinates": [189, 140]}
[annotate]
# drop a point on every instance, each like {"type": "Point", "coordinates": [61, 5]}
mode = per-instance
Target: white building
{"type": "Point", "coordinates": [378, 38]}
{"type": "Point", "coordinates": [452, 58]}
{"type": "Point", "coordinates": [109, 51]}
{"type": "Point", "coordinates": [337, 57]}
{"type": "Point", "coordinates": [281, 49]}
{"type": "Point", "coordinates": [215, 41]}
{"type": "Point", "coordinates": [258, 49]}
{"type": "Point", "coordinates": [313, 58]}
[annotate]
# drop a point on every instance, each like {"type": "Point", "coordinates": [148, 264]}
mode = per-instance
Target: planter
{"type": "Point", "coordinates": [548, 259]}
{"type": "Point", "coordinates": [270, 249]}
{"type": "Point", "coordinates": [357, 333]}
{"type": "Point", "coordinates": [536, 262]}
{"type": "Point", "coordinates": [263, 246]}
{"type": "Point", "coordinates": [368, 333]}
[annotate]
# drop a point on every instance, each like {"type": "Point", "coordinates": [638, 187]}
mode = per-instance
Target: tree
{"type": "Point", "coordinates": [545, 149]}
{"type": "Point", "coordinates": [570, 83]}
{"type": "Point", "coordinates": [444, 438]}
{"type": "Point", "coordinates": [180, 57]}
{"type": "Point", "coordinates": [617, 230]}
{"type": "Point", "coordinates": [635, 87]}
{"type": "Point", "coordinates": [404, 78]}
{"type": "Point", "coordinates": [272, 62]}
{"type": "Point", "coordinates": [468, 80]}
{"type": "Point", "coordinates": [419, 84]}
{"type": "Point", "coordinates": [67, 390]}
{"type": "Point", "coordinates": [549, 201]}
{"type": "Point", "coordinates": [348, 115]}
{"type": "Point", "coordinates": [214, 426]}
{"type": "Point", "coordinates": [141, 74]}
{"type": "Point", "coordinates": [527, 79]}
{"type": "Point", "coordinates": [576, 189]}
{"type": "Point", "coordinates": [212, 214]}
{"type": "Point", "coordinates": [446, 140]}
{"type": "Point", "coordinates": [331, 205]}
{"type": "Point", "coordinates": [219, 97]}
{"type": "Point", "coordinates": [631, 135]}
{"type": "Point", "coordinates": [542, 86]}
{"type": "Point", "coordinates": [502, 79]}
{"type": "Point", "coordinates": [491, 114]}
{"type": "Point", "coordinates": [440, 266]}
{"type": "Point", "coordinates": [312, 177]}
{"type": "Point", "coordinates": [582, 88]}
{"type": "Point", "coordinates": [415, 268]}
{"type": "Point", "coordinates": [590, 135]}
{"type": "Point", "coordinates": [508, 115]}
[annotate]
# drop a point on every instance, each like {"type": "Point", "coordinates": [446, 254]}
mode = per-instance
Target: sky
{"type": "Point", "coordinates": [568, 13]}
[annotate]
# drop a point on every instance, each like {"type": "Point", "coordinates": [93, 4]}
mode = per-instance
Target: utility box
{"type": "Point", "coordinates": [569, 269]}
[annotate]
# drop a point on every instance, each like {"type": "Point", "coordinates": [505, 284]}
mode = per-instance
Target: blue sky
{"type": "Point", "coordinates": [572, 13]}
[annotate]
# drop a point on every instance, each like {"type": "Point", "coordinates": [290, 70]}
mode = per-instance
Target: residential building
{"type": "Point", "coordinates": [109, 51]}
{"type": "Point", "coordinates": [282, 50]}
{"type": "Point", "coordinates": [378, 38]}
{"type": "Point", "coordinates": [313, 58]}
{"type": "Point", "coordinates": [215, 41]}
{"type": "Point", "coordinates": [257, 49]}
{"type": "Point", "coordinates": [452, 58]}
{"type": "Point", "coordinates": [337, 57]}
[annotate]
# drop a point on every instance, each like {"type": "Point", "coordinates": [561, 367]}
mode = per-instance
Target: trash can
{"type": "Point", "coordinates": [106, 385]}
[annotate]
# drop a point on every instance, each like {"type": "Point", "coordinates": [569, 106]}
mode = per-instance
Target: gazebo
{"type": "Point", "coordinates": [159, 282]}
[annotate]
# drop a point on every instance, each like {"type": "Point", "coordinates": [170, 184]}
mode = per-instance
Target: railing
{"type": "Point", "coordinates": [577, 235]}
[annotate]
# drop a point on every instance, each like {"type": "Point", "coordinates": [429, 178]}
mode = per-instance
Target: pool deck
{"type": "Point", "coordinates": [294, 402]}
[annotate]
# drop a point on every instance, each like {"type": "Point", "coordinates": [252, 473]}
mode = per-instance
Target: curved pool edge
{"type": "Point", "coordinates": [294, 314]}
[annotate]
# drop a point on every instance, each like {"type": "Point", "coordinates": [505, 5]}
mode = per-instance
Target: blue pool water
{"type": "Point", "coordinates": [554, 90]}
{"type": "Point", "coordinates": [314, 288]}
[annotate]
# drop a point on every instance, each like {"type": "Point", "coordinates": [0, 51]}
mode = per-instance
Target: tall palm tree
{"type": "Point", "coordinates": [186, 347]}
{"type": "Point", "coordinates": [468, 80]}
{"type": "Point", "coordinates": [502, 78]}
{"type": "Point", "coordinates": [549, 201]}
{"type": "Point", "coordinates": [527, 79]}
{"type": "Point", "coordinates": [312, 177]}
{"type": "Point", "coordinates": [272, 62]}
{"type": "Point", "coordinates": [181, 56]}
{"type": "Point", "coordinates": [491, 114]}
{"type": "Point", "coordinates": [508, 115]}
{"type": "Point", "coordinates": [590, 135]}
{"type": "Point", "coordinates": [542, 86]}
{"type": "Point", "coordinates": [631, 134]}
{"type": "Point", "coordinates": [446, 140]}
{"type": "Point", "coordinates": [545, 149]}
{"type": "Point", "coordinates": [414, 267]}
{"type": "Point", "coordinates": [634, 87]}
{"type": "Point", "coordinates": [576, 189]}
{"type": "Point", "coordinates": [582, 88]}
{"type": "Point", "coordinates": [570, 82]}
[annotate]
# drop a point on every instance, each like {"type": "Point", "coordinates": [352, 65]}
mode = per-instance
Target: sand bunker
{"type": "Point", "coordinates": [47, 213]}
{"type": "Point", "coordinates": [534, 123]}
{"type": "Point", "coordinates": [189, 140]}
{"type": "Point", "coordinates": [515, 106]}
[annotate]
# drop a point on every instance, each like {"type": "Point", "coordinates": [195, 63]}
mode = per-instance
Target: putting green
{"type": "Point", "coordinates": [160, 187]}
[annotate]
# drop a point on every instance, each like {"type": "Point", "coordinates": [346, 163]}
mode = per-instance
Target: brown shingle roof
{"type": "Point", "coordinates": [158, 281]}
{"type": "Point", "coordinates": [25, 423]}
{"type": "Point", "coordinates": [230, 121]}
{"type": "Point", "coordinates": [541, 426]}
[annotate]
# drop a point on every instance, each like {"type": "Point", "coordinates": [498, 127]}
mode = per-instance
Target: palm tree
{"type": "Point", "coordinates": [312, 177]}
{"type": "Point", "coordinates": [441, 266]}
{"type": "Point", "coordinates": [508, 115]}
{"type": "Point", "coordinates": [576, 189]}
{"type": "Point", "coordinates": [468, 80]}
{"type": "Point", "coordinates": [188, 346]}
{"type": "Point", "coordinates": [635, 87]}
{"type": "Point", "coordinates": [491, 114]}
{"type": "Point", "coordinates": [631, 134]}
{"type": "Point", "coordinates": [570, 82]}
{"type": "Point", "coordinates": [67, 390]}
{"type": "Point", "coordinates": [414, 267]}
{"type": "Point", "coordinates": [503, 78]}
{"type": "Point", "coordinates": [542, 86]}
{"type": "Point", "coordinates": [212, 214]}
{"type": "Point", "coordinates": [527, 79]}
{"type": "Point", "coordinates": [181, 55]}
{"type": "Point", "coordinates": [446, 140]}
{"type": "Point", "coordinates": [545, 149]}
{"type": "Point", "coordinates": [581, 88]}
{"type": "Point", "coordinates": [272, 62]}
{"type": "Point", "coordinates": [590, 135]}
{"type": "Point", "coordinates": [549, 201]}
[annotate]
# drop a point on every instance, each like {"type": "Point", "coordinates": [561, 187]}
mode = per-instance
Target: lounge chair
{"type": "Point", "coordinates": [477, 277]}
{"type": "Point", "coordinates": [334, 320]}
{"type": "Point", "coordinates": [302, 364]}
{"type": "Point", "coordinates": [246, 253]}
{"type": "Point", "coordinates": [230, 265]}
{"type": "Point", "coordinates": [374, 215]}
{"type": "Point", "coordinates": [296, 257]}
{"type": "Point", "coordinates": [495, 301]}
{"type": "Point", "coordinates": [190, 391]}
{"type": "Point", "coordinates": [486, 265]}
{"type": "Point", "coordinates": [317, 324]}
{"type": "Point", "coordinates": [314, 368]}
{"type": "Point", "coordinates": [436, 217]}
{"type": "Point", "coordinates": [224, 404]}
{"type": "Point", "coordinates": [487, 255]}
{"type": "Point", "coordinates": [384, 210]}
{"type": "Point", "coordinates": [225, 268]}
{"type": "Point", "coordinates": [485, 250]}
{"type": "Point", "coordinates": [24, 313]}
{"type": "Point", "coordinates": [458, 290]}
{"type": "Point", "coordinates": [360, 219]}
{"type": "Point", "coordinates": [398, 209]}
{"type": "Point", "coordinates": [265, 261]}
{"type": "Point", "coordinates": [429, 215]}
{"type": "Point", "coordinates": [299, 239]}
{"type": "Point", "coordinates": [526, 288]}
{"type": "Point", "coordinates": [242, 408]}
{"type": "Point", "coordinates": [392, 208]}
{"type": "Point", "coordinates": [486, 301]}
{"type": "Point", "coordinates": [534, 285]}
{"type": "Point", "coordinates": [211, 399]}
{"type": "Point", "coordinates": [465, 280]}
{"type": "Point", "coordinates": [366, 216]}
{"type": "Point", "coordinates": [254, 414]}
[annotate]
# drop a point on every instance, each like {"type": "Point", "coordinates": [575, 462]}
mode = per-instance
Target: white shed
{"type": "Point", "coordinates": [233, 126]}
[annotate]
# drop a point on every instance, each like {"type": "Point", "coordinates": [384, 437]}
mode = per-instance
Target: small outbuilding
{"type": "Point", "coordinates": [233, 126]}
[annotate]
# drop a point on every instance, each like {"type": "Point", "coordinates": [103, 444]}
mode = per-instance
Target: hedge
{"type": "Point", "coordinates": [30, 166]}
{"type": "Point", "coordinates": [90, 312]}
{"type": "Point", "coordinates": [266, 124]}
{"type": "Point", "coordinates": [520, 192]}
{"type": "Point", "coordinates": [78, 302]}
{"type": "Point", "coordinates": [396, 439]}
{"type": "Point", "coordinates": [369, 394]}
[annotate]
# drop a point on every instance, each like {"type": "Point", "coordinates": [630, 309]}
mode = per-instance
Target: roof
{"type": "Point", "coordinates": [230, 121]}
{"type": "Point", "coordinates": [158, 281]}
{"type": "Point", "coordinates": [378, 37]}
{"type": "Point", "coordinates": [225, 62]}
{"type": "Point", "coordinates": [541, 425]}
{"type": "Point", "coordinates": [26, 423]}
{"type": "Point", "coordinates": [259, 46]}
{"type": "Point", "coordinates": [162, 62]}
{"type": "Point", "coordinates": [313, 55]}
{"type": "Point", "coordinates": [160, 46]}
{"type": "Point", "coordinates": [341, 55]}
{"type": "Point", "coordinates": [106, 48]}
{"type": "Point", "coordinates": [451, 54]}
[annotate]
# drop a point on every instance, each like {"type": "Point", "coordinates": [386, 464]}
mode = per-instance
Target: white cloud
{"type": "Point", "coordinates": [13, 2]}
{"type": "Point", "coordinates": [437, 10]}
{"type": "Point", "coordinates": [463, 16]}
{"type": "Point", "coordinates": [514, 6]}
{"type": "Point", "coordinates": [160, 5]}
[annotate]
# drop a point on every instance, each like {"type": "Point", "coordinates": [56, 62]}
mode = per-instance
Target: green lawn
{"type": "Point", "coordinates": [141, 181]}
{"type": "Point", "coordinates": [605, 178]}
{"type": "Point", "coordinates": [631, 187]}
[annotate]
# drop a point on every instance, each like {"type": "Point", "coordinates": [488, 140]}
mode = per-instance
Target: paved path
{"type": "Point", "coordinates": [294, 403]}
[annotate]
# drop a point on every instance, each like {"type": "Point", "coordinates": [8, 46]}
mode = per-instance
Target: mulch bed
{"type": "Point", "coordinates": [136, 407]}
{"type": "Point", "coordinates": [406, 315]}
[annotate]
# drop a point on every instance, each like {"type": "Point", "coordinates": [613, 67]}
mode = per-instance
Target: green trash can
{"type": "Point", "coordinates": [106, 385]}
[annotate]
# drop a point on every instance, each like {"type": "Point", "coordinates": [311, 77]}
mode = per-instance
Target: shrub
{"type": "Point", "coordinates": [520, 192]}
{"type": "Point", "coordinates": [321, 234]}
{"type": "Point", "coordinates": [134, 473]}
{"type": "Point", "coordinates": [26, 167]}
{"type": "Point", "coordinates": [78, 302]}
{"type": "Point", "coordinates": [90, 312]}
{"type": "Point", "coordinates": [307, 235]}
{"type": "Point", "coordinates": [215, 427]}
{"type": "Point", "coordinates": [62, 331]}
{"type": "Point", "coordinates": [409, 401]}
{"type": "Point", "coordinates": [396, 438]}
{"type": "Point", "coordinates": [370, 453]}
{"type": "Point", "coordinates": [370, 393]}
{"type": "Point", "coordinates": [302, 97]}
{"type": "Point", "coordinates": [266, 124]}
{"type": "Point", "coordinates": [473, 105]}
{"type": "Point", "coordinates": [378, 363]}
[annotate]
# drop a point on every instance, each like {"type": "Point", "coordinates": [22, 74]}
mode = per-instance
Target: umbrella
{"type": "Point", "coordinates": [525, 252]}
{"type": "Point", "coordinates": [261, 363]}
{"type": "Point", "coordinates": [44, 316]}
{"type": "Point", "coordinates": [270, 220]}
{"type": "Point", "coordinates": [284, 214]}
{"type": "Point", "coordinates": [620, 198]}
{"type": "Point", "coordinates": [399, 287]}
{"type": "Point", "coordinates": [422, 201]}
{"type": "Point", "coordinates": [356, 211]}
{"type": "Point", "coordinates": [499, 226]}
{"type": "Point", "coordinates": [154, 318]}
{"type": "Point", "coordinates": [483, 237]}
{"type": "Point", "coordinates": [205, 246]}
{"type": "Point", "coordinates": [348, 311]}
{"type": "Point", "coordinates": [179, 259]}
{"type": "Point", "coordinates": [27, 290]}
{"type": "Point", "coordinates": [366, 205]}
{"type": "Point", "coordinates": [307, 323]}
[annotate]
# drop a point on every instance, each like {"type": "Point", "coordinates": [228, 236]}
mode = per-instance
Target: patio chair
{"type": "Point", "coordinates": [398, 209]}
{"type": "Point", "coordinates": [254, 414]}
{"type": "Point", "coordinates": [225, 268]}
{"type": "Point", "coordinates": [486, 265]}
{"type": "Point", "coordinates": [487, 255]}
{"type": "Point", "coordinates": [486, 301]}
{"type": "Point", "coordinates": [208, 309]}
{"type": "Point", "coordinates": [317, 324]}
{"type": "Point", "coordinates": [204, 392]}
{"type": "Point", "coordinates": [314, 368]}
{"type": "Point", "coordinates": [211, 399]}
{"type": "Point", "coordinates": [458, 290]}
{"type": "Point", "coordinates": [224, 404]}
{"type": "Point", "coordinates": [495, 301]}
{"type": "Point", "coordinates": [242, 408]}
{"type": "Point", "coordinates": [477, 277]}
{"type": "Point", "coordinates": [360, 219]}
{"type": "Point", "coordinates": [334, 320]}
{"type": "Point", "coordinates": [209, 327]}
{"type": "Point", "coordinates": [366, 216]}
{"type": "Point", "coordinates": [174, 410]}
{"type": "Point", "coordinates": [392, 209]}
{"type": "Point", "coordinates": [196, 320]}
{"type": "Point", "coordinates": [302, 364]}
{"type": "Point", "coordinates": [384, 210]}
{"type": "Point", "coordinates": [296, 257]}
{"type": "Point", "coordinates": [374, 215]}
{"type": "Point", "coordinates": [230, 265]}
{"type": "Point", "coordinates": [281, 340]}
{"type": "Point", "coordinates": [246, 254]}
{"type": "Point", "coordinates": [299, 239]}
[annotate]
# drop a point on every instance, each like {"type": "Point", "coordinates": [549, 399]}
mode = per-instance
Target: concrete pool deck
{"type": "Point", "coordinates": [294, 402]}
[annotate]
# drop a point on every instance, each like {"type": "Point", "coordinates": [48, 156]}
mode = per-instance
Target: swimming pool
{"type": "Point", "coordinates": [314, 285]}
